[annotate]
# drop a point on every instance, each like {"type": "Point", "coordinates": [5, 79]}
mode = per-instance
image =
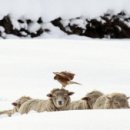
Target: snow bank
{"type": "Point", "coordinates": [69, 120]}
{"type": "Point", "coordinates": [50, 9]}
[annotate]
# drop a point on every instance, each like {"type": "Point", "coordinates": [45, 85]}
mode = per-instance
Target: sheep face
{"type": "Point", "coordinates": [118, 101]}
{"type": "Point", "coordinates": [60, 97]}
{"type": "Point", "coordinates": [17, 104]}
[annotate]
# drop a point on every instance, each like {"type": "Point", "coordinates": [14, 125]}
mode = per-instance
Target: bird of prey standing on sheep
{"type": "Point", "coordinates": [65, 78]}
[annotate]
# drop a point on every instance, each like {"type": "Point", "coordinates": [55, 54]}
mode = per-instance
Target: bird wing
{"type": "Point", "coordinates": [69, 75]}
{"type": "Point", "coordinates": [65, 74]}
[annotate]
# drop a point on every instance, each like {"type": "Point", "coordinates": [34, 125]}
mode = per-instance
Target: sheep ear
{"type": "Point", "coordinates": [70, 93]}
{"type": "Point", "coordinates": [128, 98]}
{"type": "Point", "coordinates": [14, 104]}
{"type": "Point", "coordinates": [86, 98]}
{"type": "Point", "coordinates": [49, 95]}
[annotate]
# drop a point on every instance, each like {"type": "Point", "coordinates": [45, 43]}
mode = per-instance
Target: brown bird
{"type": "Point", "coordinates": [65, 78]}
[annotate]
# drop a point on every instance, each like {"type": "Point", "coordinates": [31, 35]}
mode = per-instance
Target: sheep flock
{"type": "Point", "coordinates": [59, 99]}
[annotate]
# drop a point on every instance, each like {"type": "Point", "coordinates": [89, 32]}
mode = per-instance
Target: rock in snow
{"type": "Point", "coordinates": [106, 26]}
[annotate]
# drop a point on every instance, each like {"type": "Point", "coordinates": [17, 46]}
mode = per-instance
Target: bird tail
{"type": "Point", "coordinates": [73, 82]}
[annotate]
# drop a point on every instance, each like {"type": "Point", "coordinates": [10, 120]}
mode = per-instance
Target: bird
{"type": "Point", "coordinates": [65, 78]}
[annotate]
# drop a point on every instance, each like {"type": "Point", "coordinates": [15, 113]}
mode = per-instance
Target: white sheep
{"type": "Point", "coordinates": [112, 101]}
{"type": "Point", "coordinates": [86, 102]}
{"type": "Point", "coordinates": [58, 100]}
{"type": "Point", "coordinates": [17, 104]}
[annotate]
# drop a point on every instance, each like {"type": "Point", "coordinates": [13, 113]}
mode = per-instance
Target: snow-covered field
{"type": "Point", "coordinates": [26, 68]}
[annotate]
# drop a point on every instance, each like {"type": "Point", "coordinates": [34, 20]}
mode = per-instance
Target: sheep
{"type": "Point", "coordinates": [78, 105]}
{"type": "Point", "coordinates": [17, 104]}
{"type": "Point", "coordinates": [58, 100]}
{"type": "Point", "coordinates": [91, 97]}
{"type": "Point", "coordinates": [112, 101]}
{"type": "Point", "coordinates": [86, 102]}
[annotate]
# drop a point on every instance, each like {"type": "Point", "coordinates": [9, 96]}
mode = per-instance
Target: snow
{"type": "Point", "coordinates": [2, 32]}
{"type": "Point", "coordinates": [15, 23]}
{"type": "Point", "coordinates": [33, 27]}
{"type": "Point", "coordinates": [2, 29]}
{"type": "Point", "coordinates": [54, 32]}
{"type": "Point", "coordinates": [61, 8]}
{"type": "Point", "coordinates": [79, 22]}
{"type": "Point", "coordinates": [74, 120]}
{"type": "Point", "coordinates": [65, 22]}
{"type": "Point", "coordinates": [26, 68]}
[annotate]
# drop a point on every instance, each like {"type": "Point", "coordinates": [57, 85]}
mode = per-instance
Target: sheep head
{"type": "Point", "coordinates": [60, 97]}
{"type": "Point", "coordinates": [118, 100]}
{"type": "Point", "coordinates": [91, 97]}
{"type": "Point", "coordinates": [17, 104]}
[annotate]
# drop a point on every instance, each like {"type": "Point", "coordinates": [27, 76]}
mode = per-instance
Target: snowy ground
{"type": "Point", "coordinates": [26, 68]}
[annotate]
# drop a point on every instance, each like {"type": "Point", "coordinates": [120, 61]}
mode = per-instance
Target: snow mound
{"type": "Point", "coordinates": [108, 25]}
{"type": "Point", "coordinates": [74, 120]}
